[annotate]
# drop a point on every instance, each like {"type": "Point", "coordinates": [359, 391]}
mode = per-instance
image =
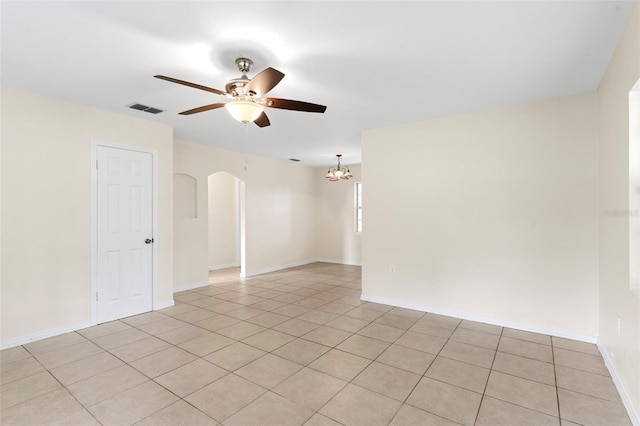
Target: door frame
{"type": "Point", "coordinates": [95, 143]}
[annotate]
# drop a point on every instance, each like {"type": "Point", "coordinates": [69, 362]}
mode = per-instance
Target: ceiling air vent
{"type": "Point", "coordinates": [145, 108]}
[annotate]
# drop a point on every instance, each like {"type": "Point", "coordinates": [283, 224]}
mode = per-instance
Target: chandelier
{"type": "Point", "coordinates": [337, 173]}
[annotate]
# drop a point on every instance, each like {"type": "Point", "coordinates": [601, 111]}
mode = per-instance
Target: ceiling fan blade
{"type": "Point", "coordinates": [202, 109]}
{"type": "Point", "coordinates": [194, 85]}
{"type": "Point", "coordinates": [294, 105]}
{"type": "Point", "coordinates": [264, 81]}
{"type": "Point", "coordinates": [262, 120]}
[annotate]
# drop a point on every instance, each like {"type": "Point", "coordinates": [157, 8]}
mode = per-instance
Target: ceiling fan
{"type": "Point", "coordinates": [248, 95]}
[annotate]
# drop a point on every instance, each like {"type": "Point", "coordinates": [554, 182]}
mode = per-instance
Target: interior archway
{"type": "Point", "coordinates": [226, 224]}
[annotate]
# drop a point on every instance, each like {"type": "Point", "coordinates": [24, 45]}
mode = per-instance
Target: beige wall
{"type": "Point", "coordinates": [337, 240]}
{"type": "Point", "coordinates": [280, 211]}
{"type": "Point", "coordinates": [46, 208]}
{"type": "Point", "coordinates": [185, 200]}
{"type": "Point", "coordinates": [617, 300]}
{"type": "Point", "coordinates": [490, 215]}
{"type": "Point", "coordinates": [224, 243]}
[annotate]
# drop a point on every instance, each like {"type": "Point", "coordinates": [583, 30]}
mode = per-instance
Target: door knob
{"type": "Point", "coordinates": [148, 241]}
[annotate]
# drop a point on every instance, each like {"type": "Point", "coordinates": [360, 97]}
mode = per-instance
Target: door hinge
{"type": "Point", "coordinates": [96, 164]}
{"type": "Point", "coordinates": [96, 296]}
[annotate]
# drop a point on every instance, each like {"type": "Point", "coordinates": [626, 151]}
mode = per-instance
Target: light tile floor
{"type": "Point", "coordinates": [299, 347]}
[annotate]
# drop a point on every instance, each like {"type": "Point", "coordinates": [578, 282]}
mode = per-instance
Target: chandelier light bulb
{"type": "Point", "coordinates": [338, 172]}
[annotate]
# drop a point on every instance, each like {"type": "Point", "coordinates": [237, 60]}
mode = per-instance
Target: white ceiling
{"type": "Point", "coordinates": [373, 64]}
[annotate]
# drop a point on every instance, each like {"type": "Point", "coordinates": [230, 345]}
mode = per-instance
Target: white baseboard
{"type": "Point", "coordinates": [164, 304]}
{"type": "Point", "coordinates": [524, 327]}
{"type": "Point", "coordinates": [624, 395]}
{"type": "Point", "coordinates": [224, 266]}
{"type": "Point", "coordinates": [29, 338]}
{"type": "Point", "coordinates": [191, 286]}
{"type": "Point", "coordinates": [278, 268]}
{"type": "Point", "coordinates": [339, 261]}
{"type": "Point", "coordinates": [40, 335]}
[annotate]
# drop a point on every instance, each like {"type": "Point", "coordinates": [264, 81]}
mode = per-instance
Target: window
{"type": "Point", "coordinates": [358, 206]}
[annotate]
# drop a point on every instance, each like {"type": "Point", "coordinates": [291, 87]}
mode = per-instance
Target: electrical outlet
{"type": "Point", "coordinates": [392, 269]}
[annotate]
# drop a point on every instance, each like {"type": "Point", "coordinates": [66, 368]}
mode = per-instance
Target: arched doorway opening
{"type": "Point", "coordinates": [226, 226]}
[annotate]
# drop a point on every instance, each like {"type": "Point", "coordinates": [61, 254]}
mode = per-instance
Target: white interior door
{"type": "Point", "coordinates": [124, 233]}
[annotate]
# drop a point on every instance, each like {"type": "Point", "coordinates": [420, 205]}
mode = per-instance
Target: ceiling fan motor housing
{"type": "Point", "coordinates": [236, 86]}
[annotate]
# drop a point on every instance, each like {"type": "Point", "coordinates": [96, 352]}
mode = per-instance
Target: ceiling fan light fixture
{"type": "Point", "coordinates": [338, 172]}
{"type": "Point", "coordinates": [247, 95]}
{"type": "Point", "coordinates": [244, 111]}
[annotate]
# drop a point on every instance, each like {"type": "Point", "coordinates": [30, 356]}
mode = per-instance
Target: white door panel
{"type": "Point", "coordinates": [125, 221]}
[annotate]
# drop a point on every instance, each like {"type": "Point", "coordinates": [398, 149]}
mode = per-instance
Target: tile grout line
{"type": "Point", "coordinates": [303, 366]}
{"type": "Point", "coordinates": [228, 372]}
{"type": "Point", "coordinates": [555, 379]}
{"type": "Point", "coordinates": [271, 352]}
{"type": "Point", "coordinates": [426, 370]}
{"type": "Point", "coordinates": [63, 387]}
{"type": "Point", "coordinates": [484, 391]}
{"type": "Point", "coordinates": [234, 288]}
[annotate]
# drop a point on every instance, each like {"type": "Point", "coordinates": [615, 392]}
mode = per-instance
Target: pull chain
{"type": "Point", "coordinates": [244, 145]}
